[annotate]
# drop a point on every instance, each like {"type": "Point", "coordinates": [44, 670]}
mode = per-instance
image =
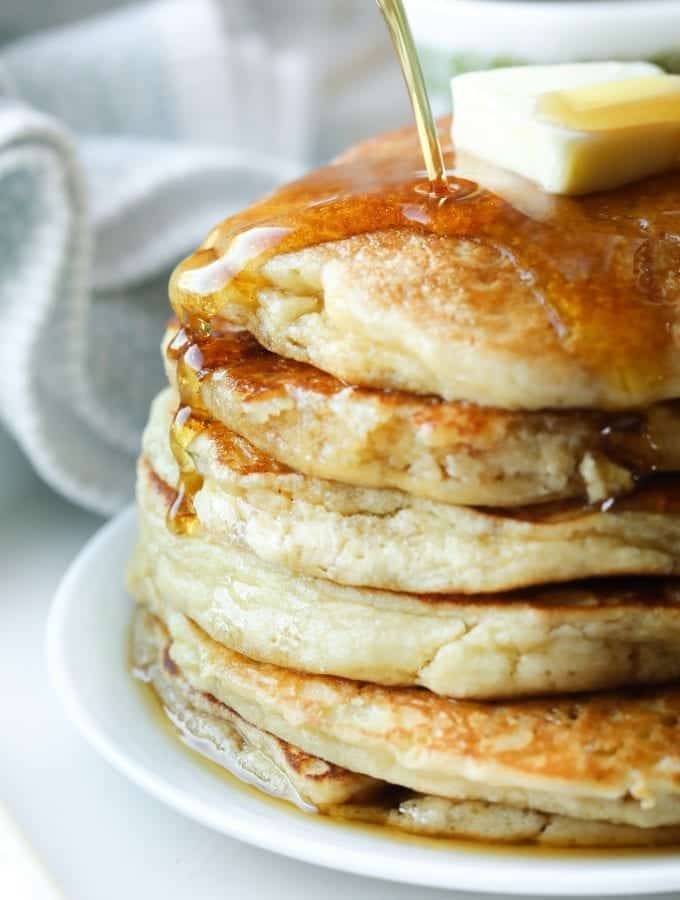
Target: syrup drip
{"type": "Point", "coordinates": [598, 265]}
{"type": "Point", "coordinates": [197, 350]}
{"type": "Point", "coordinates": [188, 422]}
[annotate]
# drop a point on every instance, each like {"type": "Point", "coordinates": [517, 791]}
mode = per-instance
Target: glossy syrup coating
{"type": "Point", "coordinates": [238, 368]}
{"type": "Point", "coordinates": [604, 267]}
{"type": "Point", "coordinates": [601, 272]}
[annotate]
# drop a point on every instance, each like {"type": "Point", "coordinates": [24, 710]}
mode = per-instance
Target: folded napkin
{"type": "Point", "coordinates": [116, 156]}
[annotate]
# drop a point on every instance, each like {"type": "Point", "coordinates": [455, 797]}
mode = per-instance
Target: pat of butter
{"type": "Point", "coordinates": [573, 129]}
{"type": "Point", "coordinates": [629, 103]}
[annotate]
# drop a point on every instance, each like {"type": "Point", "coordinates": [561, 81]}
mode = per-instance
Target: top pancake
{"type": "Point", "coordinates": [524, 300]}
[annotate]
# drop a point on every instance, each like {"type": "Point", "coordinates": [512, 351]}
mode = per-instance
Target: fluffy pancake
{"type": "Point", "coordinates": [607, 757]}
{"type": "Point", "coordinates": [286, 771]}
{"type": "Point", "coordinates": [572, 638]}
{"type": "Point", "coordinates": [394, 541]}
{"type": "Point", "coordinates": [573, 303]}
{"type": "Point", "coordinates": [452, 452]}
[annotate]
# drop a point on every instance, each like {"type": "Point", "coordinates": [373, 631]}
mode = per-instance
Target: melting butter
{"type": "Point", "coordinates": [630, 103]}
{"type": "Point", "coordinates": [572, 129]}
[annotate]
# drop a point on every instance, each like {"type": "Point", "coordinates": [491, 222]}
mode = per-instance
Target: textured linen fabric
{"type": "Point", "coordinates": [114, 161]}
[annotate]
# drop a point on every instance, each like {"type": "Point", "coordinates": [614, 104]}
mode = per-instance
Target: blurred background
{"type": "Point", "coordinates": [338, 49]}
{"type": "Point", "coordinates": [334, 55]}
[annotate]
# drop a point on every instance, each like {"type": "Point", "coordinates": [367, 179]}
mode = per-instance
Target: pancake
{"type": "Point", "coordinates": [571, 302]}
{"type": "Point", "coordinates": [609, 757]}
{"type": "Point", "coordinates": [249, 752]}
{"type": "Point", "coordinates": [393, 541]}
{"type": "Point", "coordinates": [570, 638]}
{"type": "Point", "coordinates": [439, 817]}
{"type": "Point", "coordinates": [452, 452]}
{"type": "Point", "coordinates": [285, 771]}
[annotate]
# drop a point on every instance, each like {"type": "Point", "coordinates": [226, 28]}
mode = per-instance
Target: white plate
{"type": "Point", "coordinates": [87, 655]}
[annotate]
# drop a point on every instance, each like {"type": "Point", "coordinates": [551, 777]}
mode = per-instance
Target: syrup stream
{"type": "Point", "coordinates": [402, 38]}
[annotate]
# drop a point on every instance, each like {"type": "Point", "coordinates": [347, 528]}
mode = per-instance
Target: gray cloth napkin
{"type": "Point", "coordinates": [116, 156]}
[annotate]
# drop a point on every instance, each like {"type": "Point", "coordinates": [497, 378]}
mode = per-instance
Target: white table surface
{"type": "Point", "coordinates": [100, 837]}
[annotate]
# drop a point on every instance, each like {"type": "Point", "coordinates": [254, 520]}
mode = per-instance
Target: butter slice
{"type": "Point", "coordinates": [573, 129]}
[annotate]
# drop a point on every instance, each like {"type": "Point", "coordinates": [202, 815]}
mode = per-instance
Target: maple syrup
{"type": "Point", "coordinates": [187, 422]}
{"type": "Point", "coordinates": [397, 23]}
{"type": "Point", "coordinates": [654, 495]}
{"type": "Point", "coordinates": [387, 189]}
{"type": "Point", "coordinates": [603, 267]}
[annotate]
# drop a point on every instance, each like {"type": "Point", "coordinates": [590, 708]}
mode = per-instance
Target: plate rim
{"type": "Point", "coordinates": [373, 856]}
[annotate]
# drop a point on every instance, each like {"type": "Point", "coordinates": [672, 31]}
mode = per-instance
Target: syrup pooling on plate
{"type": "Point", "coordinates": [607, 263]}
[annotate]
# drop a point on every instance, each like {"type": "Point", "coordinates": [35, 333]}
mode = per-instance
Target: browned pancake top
{"type": "Point", "coordinates": [593, 278]}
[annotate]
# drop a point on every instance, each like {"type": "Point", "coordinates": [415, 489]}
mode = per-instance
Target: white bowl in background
{"type": "Point", "coordinates": [455, 36]}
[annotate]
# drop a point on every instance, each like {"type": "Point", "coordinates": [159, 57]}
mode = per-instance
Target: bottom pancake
{"type": "Point", "coordinates": [519, 771]}
{"type": "Point", "coordinates": [216, 731]}
{"type": "Point", "coordinates": [314, 785]}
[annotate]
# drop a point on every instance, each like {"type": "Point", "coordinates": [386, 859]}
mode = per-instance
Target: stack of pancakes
{"type": "Point", "coordinates": [430, 578]}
